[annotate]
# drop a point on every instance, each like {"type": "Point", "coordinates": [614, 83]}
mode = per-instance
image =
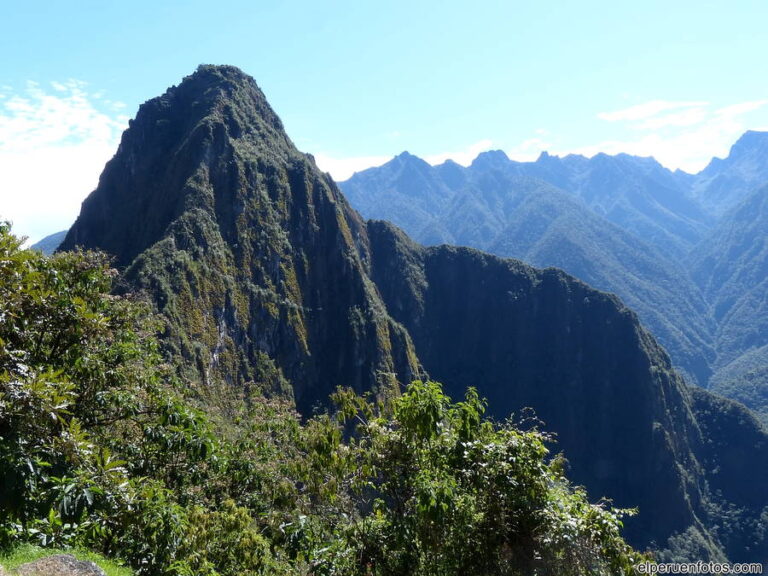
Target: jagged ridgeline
{"type": "Point", "coordinates": [253, 256]}
{"type": "Point", "coordinates": [269, 281]}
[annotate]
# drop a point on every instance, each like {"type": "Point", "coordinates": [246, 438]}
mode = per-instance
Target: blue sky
{"type": "Point", "coordinates": [357, 82]}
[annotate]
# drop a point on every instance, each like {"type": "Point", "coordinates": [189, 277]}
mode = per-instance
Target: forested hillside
{"type": "Point", "coordinates": [682, 250]}
{"type": "Point", "coordinates": [232, 440]}
{"type": "Point", "coordinates": [491, 207]}
{"type": "Point", "coordinates": [101, 447]}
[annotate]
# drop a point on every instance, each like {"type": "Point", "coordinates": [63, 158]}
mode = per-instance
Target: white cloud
{"type": "Point", "coordinates": [463, 157]}
{"type": "Point", "coordinates": [343, 168]}
{"type": "Point", "coordinates": [53, 145]}
{"type": "Point", "coordinates": [741, 108]}
{"type": "Point", "coordinates": [683, 135]}
{"type": "Point", "coordinates": [646, 110]}
{"type": "Point", "coordinates": [686, 117]}
{"type": "Point", "coordinates": [530, 149]}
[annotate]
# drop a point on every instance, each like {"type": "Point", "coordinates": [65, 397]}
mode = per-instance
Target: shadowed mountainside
{"type": "Point", "coordinates": [251, 254]}
{"type": "Point", "coordinates": [492, 207]}
{"type": "Point", "coordinates": [269, 282]}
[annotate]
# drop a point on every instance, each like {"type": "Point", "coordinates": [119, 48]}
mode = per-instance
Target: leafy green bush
{"type": "Point", "coordinates": [99, 449]}
{"type": "Point", "coordinates": [444, 491]}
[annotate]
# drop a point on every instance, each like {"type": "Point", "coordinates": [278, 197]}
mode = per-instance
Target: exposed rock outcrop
{"type": "Point", "coordinates": [268, 279]}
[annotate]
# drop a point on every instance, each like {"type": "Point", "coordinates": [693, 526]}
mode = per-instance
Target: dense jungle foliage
{"type": "Point", "coordinates": [99, 448]}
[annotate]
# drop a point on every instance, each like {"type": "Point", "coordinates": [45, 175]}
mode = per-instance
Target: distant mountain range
{"type": "Point", "coordinates": [685, 251]}
{"type": "Point", "coordinates": [269, 282]}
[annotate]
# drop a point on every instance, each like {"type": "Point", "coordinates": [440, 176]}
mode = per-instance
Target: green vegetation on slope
{"type": "Point", "coordinates": [621, 223]}
{"type": "Point", "coordinates": [266, 281]}
{"type": "Point", "coordinates": [513, 210]}
{"type": "Point", "coordinates": [731, 266]}
{"type": "Point", "coordinates": [537, 338]}
{"type": "Point", "coordinates": [99, 450]}
{"type": "Point", "coordinates": [735, 455]}
{"type": "Point", "coordinates": [251, 255]}
{"type": "Point", "coordinates": [746, 380]}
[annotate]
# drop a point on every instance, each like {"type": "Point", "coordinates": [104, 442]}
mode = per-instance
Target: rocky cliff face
{"type": "Point", "coordinates": [511, 209]}
{"type": "Point", "coordinates": [530, 338]}
{"type": "Point", "coordinates": [630, 427]}
{"type": "Point", "coordinates": [252, 255]}
{"type": "Point", "coordinates": [268, 281]}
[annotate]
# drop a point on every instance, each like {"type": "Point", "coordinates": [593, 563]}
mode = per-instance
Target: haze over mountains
{"type": "Point", "coordinates": [269, 282]}
{"type": "Point", "coordinates": [685, 251]}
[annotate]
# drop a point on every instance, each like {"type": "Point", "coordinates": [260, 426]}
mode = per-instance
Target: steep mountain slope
{"type": "Point", "coordinates": [637, 194]}
{"type": "Point", "coordinates": [537, 338]}
{"type": "Point", "coordinates": [745, 379]}
{"type": "Point", "coordinates": [489, 206]}
{"type": "Point", "coordinates": [733, 437]}
{"type": "Point", "coordinates": [269, 281]}
{"type": "Point", "coordinates": [731, 266]}
{"type": "Point", "coordinates": [716, 324]}
{"type": "Point", "coordinates": [724, 183]}
{"type": "Point", "coordinates": [253, 256]}
{"type": "Point", "coordinates": [403, 191]}
{"type": "Point", "coordinates": [50, 243]}
{"type": "Point", "coordinates": [606, 257]}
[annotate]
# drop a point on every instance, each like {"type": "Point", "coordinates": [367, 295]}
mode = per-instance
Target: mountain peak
{"type": "Point", "coordinates": [239, 240]}
{"type": "Point", "coordinates": [752, 141]}
{"type": "Point", "coordinates": [265, 280]}
{"type": "Point", "coordinates": [406, 159]}
{"type": "Point", "coordinates": [222, 71]}
{"type": "Point", "coordinates": [726, 181]}
{"type": "Point", "coordinates": [547, 158]}
{"type": "Point", "coordinates": [491, 158]}
{"type": "Point", "coordinates": [755, 135]}
{"type": "Point", "coordinates": [212, 119]}
{"type": "Point", "coordinates": [211, 81]}
{"type": "Point", "coordinates": [749, 141]}
{"type": "Point", "coordinates": [230, 95]}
